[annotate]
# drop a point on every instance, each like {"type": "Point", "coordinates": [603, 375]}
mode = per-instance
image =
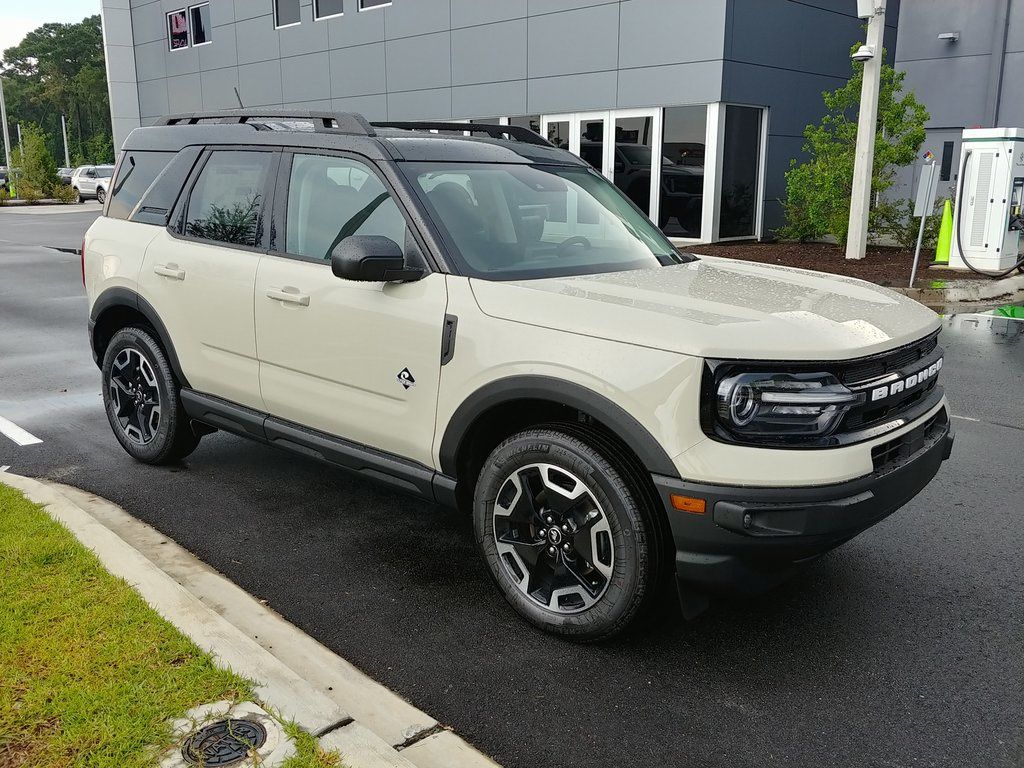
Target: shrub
{"type": "Point", "coordinates": [65, 193]}
{"type": "Point", "coordinates": [29, 192]}
{"type": "Point", "coordinates": [896, 220]}
{"type": "Point", "coordinates": [37, 170]}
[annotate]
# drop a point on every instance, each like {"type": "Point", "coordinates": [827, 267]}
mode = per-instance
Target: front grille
{"type": "Point", "coordinates": [860, 371]}
{"type": "Point", "coordinates": [892, 454]}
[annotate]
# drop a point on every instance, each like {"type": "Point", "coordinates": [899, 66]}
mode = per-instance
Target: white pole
{"type": "Point", "coordinates": [64, 130]}
{"type": "Point", "coordinates": [21, 146]}
{"type": "Point", "coordinates": [860, 200]}
{"type": "Point", "coordinates": [3, 119]}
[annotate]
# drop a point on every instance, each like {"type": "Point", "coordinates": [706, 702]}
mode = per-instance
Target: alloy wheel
{"type": "Point", "coordinates": [553, 538]}
{"type": "Point", "coordinates": [135, 396]}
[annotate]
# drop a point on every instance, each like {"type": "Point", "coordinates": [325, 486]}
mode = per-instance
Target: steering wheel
{"type": "Point", "coordinates": [572, 242]}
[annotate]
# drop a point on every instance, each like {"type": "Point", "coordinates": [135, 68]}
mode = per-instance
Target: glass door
{"type": "Point", "coordinates": [637, 146]}
{"type": "Point", "coordinates": [583, 134]}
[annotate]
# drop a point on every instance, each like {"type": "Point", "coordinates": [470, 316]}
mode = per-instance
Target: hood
{"type": "Point", "coordinates": [719, 308]}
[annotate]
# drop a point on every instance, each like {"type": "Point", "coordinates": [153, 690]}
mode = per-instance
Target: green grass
{"type": "Point", "coordinates": [89, 674]}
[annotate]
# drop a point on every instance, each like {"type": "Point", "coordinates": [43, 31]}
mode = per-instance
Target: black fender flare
{"type": "Point", "coordinates": [562, 392]}
{"type": "Point", "coordinates": [118, 296]}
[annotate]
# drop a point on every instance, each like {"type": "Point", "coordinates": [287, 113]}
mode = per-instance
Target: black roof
{"type": "Point", "coordinates": [342, 130]}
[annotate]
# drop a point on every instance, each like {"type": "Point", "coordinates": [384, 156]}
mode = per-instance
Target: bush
{"type": "Point", "coordinates": [37, 170]}
{"type": "Point", "coordinates": [29, 192]}
{"type": "Point", "coordinates": [65, 193]}
{"type": "Point", "coordinates": [897, 221]}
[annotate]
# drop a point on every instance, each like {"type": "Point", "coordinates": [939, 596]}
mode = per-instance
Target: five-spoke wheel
{"type": "Point", "coordinates": [135, 395]}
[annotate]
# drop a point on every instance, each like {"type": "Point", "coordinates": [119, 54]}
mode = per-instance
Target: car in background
{"type": "Point", "coordinates": [64, 175]}
{"type": "Point", "coordinates": [4, 190]}
{"type": "Point", "coordinates": [92, 181]}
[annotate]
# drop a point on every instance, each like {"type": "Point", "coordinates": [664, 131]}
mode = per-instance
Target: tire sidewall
{"type": "Point", "coordinates": [163, 442]}
{"type": "Point", "coordinates": [629, 538]}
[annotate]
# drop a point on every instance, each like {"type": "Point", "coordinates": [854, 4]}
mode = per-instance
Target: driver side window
{"type": "Point", "coordinates": [331, 198]}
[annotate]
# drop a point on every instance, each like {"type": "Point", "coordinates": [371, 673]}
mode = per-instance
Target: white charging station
{"type": "Point", "coordinates": [990, 193]}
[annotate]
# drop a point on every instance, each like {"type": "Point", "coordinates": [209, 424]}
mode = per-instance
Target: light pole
{"type": "Point", "coordinates": [64, 131]}
{"type": "Point", "coordinates": [871, 54]}
{"type": "Point", "coordinates": [7, 136]}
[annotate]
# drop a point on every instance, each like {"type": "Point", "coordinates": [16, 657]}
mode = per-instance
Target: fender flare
{"type": "Point", "coordinates": [112, 298]}
{"type": "Point", "coordinates": [562, 392]}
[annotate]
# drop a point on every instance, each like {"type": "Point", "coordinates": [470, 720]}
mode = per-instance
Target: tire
{"type": "Point", "coordinates": [78, 193]}
{"type": "Point", "coordinates": [137, 377]}
{"type": "Point", "coordinates": [601, 571]}
{"type": "Point", "coordinates": [101, 195]}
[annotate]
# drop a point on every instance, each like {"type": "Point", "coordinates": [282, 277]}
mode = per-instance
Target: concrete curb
{"type": "Point", "coordinates": [1009, 288]}
{"type": "Point", "coordinates": [297, 676]}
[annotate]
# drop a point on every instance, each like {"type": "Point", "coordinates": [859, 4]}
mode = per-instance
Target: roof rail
{"type": "Point", "coordinates": [516, 132]}
{"type": "Point", "coordinates": [323, 122]}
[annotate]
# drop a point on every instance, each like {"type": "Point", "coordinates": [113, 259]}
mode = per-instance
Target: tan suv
{"type": "Point", "coordinates": [486, 322]}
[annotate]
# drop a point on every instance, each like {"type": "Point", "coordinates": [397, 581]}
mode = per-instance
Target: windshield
{"type": "Point", "coordinates": [515, 222]}
{"type": "Point", "coordinates": [104, 171]}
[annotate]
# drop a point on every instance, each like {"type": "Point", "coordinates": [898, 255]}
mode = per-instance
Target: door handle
{"type": "Point", "coordinates": [172, 271]}
{"type": "Point", "coordinates": [289, 295]}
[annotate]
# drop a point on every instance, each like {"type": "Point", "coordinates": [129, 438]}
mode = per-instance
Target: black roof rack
{"type": "Point", "coordinates": [323, 122]}
{"type": "Point", "coordinates": [516, 132]}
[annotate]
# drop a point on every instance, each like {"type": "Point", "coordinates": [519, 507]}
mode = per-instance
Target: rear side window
{"type": "Point", "coordinates": [226, 203]}
{"type": "Point", "coordinates": [137, 172]}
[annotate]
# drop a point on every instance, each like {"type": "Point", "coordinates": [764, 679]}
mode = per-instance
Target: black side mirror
{"type": "Point", "coordinates": [371, 259]}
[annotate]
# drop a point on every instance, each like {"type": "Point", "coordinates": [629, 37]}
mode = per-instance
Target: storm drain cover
{"type": "Point", "coordinates": [223, 743]}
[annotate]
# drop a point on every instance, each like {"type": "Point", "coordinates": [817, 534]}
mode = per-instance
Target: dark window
{"type": "Point", "coordinates": [324, 8]}
{"type": "Point", "coordinates": [741, 152]}
{"type": "Point", "coordinates": [177, 30]}
{"type": "Point", "coordinates": [286, 12]}
{"type": "Point", "coordinates": [226, 203]}
{"type": "Point", "coordinates": [331, 198]}
{"type": "Point", "coordinates": [137, 172]}
{"type": "Point", "coordinates": [947, 161]}
{"type": "Point", "coordinates": [365, 5]}
{"type": "Point", "coordinates": [201, 27]}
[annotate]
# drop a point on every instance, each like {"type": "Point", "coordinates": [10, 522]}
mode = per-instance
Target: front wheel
{"type": "Point", "coordinates": [142, 402]}
{"type": "Point", "coordinates": [563, 534]}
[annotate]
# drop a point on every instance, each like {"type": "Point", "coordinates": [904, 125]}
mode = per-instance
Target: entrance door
{"type": "Point", "coordinates": [628, 160]}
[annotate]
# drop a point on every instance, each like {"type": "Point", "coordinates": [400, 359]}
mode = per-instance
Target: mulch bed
{"type": "Point", "coordinates": [884, 266]}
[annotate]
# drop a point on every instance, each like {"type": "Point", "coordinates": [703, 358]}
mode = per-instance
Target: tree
{"type": "Point", "coordinates": [818, 190]}
{"type": "Point", "coordinates": [59, 69]}
{"type": "Point", "coordinates": [37, 170]}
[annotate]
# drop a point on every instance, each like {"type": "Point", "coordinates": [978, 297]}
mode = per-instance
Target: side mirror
{"type": "Point", "coordinates": [371, 259]}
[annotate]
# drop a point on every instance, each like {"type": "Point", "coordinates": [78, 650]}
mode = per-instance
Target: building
{"type": "Point", "coordinates": [718, 91]}
{"type": "Point", "coordinates": [965, 62]}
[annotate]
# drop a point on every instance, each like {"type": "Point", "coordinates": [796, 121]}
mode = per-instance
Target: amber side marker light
{"type": "Point", "coordinates": [689, 504]}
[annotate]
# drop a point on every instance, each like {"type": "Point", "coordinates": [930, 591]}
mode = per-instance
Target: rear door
{"type": "Point", "coordinates": [200, 272]}
{"type": "Point", "coordinates": [357, 360]}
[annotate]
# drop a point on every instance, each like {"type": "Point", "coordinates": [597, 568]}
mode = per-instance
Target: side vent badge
{"type": "Point", "coordinates": [405, 378]}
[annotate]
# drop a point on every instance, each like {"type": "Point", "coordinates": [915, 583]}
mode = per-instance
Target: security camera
{"type": "Point", "coordinates": [864, 53]}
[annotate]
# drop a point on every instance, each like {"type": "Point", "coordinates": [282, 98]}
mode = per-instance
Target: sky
{"type": "Point", "coordinates": [19, 17]}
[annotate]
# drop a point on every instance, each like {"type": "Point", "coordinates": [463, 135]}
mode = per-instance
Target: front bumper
{"type": "Point", "coordinates": [748, 539]}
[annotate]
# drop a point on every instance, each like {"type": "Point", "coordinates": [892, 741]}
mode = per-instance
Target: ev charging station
{"type": "Point", "coordinates": [988, 220]}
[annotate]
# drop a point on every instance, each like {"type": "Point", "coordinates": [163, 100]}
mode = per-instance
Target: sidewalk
{"type": "Point", "coordinates": [297, 678]}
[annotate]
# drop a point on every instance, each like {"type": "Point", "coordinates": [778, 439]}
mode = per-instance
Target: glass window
{"type": "Point", "coordinates": [526, 121]}
{"type": "Point", "coordinates": [512, 222]}
{"type": "Point", "coordinates": [558, 134]}
{"type": "Point", "coordinates": [682, 171]}
{"type": "Point", "coordinates": [741, 152]}
{"type": "Point", "coordinates": [331, 198]}
{"type": "Point", "coordinates": [138, 171]}
{"type": "Point", "coordinates": [104, 171]}
{"type": "Point", "coordinates": [324, 8]}
{"type": "Point", "coordinates": [946, 169]}
{"type": "Point", "coordinates": [226, 203]}
{"type": "Point", "coordinates": [286, 12]}
{"type": "Point", "coordinates": [365, 5]}
{"type": "Point", "coordinates": [634, 142]}
{"type": "Point", "coordinates": [177, 30]}
{"type": "Point", "coordinates": [202, 28]}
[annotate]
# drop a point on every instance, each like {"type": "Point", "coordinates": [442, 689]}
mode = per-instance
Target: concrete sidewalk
{"type": "Point", "coordinates": [369, 725]}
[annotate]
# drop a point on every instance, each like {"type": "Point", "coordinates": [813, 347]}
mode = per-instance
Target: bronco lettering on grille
{"type": "Point", "coordinates": [880, 393]}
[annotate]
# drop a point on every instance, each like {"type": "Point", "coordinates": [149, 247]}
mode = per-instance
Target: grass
{"type": "Point", "coordinates": [90, 675]}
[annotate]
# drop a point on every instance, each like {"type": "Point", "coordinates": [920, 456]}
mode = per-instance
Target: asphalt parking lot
{"type": "Point", "coordinates": [902, 648]}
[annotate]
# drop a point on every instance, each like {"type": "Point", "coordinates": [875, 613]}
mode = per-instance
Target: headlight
{"type": "Point", "coordinates": [767, 405]}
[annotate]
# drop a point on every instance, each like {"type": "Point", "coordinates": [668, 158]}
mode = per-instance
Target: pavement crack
{"type": "Point", "coordinates": [334, 726]}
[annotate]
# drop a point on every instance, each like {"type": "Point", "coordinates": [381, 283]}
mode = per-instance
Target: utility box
{"type": "Point", "coordinates": [990, 194]}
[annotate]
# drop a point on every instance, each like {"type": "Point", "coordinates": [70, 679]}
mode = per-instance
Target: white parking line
{"type": "Point", "coordinates": [964, 418]}
{"type": "Point", "coordinates": [16, 433]}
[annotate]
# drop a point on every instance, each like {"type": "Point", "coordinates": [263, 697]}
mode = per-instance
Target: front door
{"type": "Point", "coordinates": [357, 360]}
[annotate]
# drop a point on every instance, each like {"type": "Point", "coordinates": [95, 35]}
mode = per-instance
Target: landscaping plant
{"type": "Point", "coordinates": [36, 168]}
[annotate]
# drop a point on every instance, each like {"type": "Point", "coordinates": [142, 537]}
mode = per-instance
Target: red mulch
{"type": "Point", "coordinates": [885, 266]}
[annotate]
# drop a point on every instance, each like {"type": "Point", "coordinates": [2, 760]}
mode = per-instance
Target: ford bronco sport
{"type": "Point", "coordinates": [485, 321]}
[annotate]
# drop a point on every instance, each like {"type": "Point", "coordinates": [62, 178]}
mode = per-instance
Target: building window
{"type": "Point", "coordinates": [526, 121]}
{"type": "Point", "coordinates": [199, 17]}
{"type": "Point", "coordinates": [177, 30]}
{"type": "Point", "coordinates": [286, 13]}
{"type": "Point", "coordinates": [325, 9]}
{"type": "Point", "coordinates": [741, 164]}
{"type": "Point", "coordinates": [682, 171]}
{"type": "Point", "coordinates": [946, 169]}
{"type": "Point", "coordinates": [366, 5]}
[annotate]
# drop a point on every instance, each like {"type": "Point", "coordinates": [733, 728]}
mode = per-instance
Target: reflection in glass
{"type": "Point", "coordinates": [682, 171]}
{"type": "Point", "coordinates": [741, 148]}
{"type": "Point", "coordinates": [634, 143]}
{"type": "Point", "coordinates": [526, 121]}
{"type": "Point", "coordinates": [225, 205]}
{"type": "Point", "coordinates": [558, 134]}
{"type": "Point", "coordinates": [592, 143]}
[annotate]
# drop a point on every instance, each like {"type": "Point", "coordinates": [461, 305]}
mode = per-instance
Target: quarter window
{"type": "Point", "coordinates": [199, 15]}
{"type": "Point", "coordinates": [226, 203]}
{"type": "Point", "coordinates": [365, 5]}
{"type": "Point", "coordinates": [286, 12]}
{"type": "Point", "coordinates": [331, 198]}
{"type": "Point", "coordinates": [177, 30]}
{"type": "Point", "coordinates": [137, 172]}
{"type": "Point", "coordinates": [324, 9]}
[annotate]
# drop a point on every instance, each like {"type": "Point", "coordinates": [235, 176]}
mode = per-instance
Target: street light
{"type": "Point", "coordinates": [864, 157]}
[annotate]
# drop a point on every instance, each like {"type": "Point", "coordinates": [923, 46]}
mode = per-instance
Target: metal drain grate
{"type": "Point", "coordinates": [223, 743]}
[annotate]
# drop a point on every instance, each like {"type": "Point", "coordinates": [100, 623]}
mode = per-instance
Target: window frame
{"type": "Point", "coordinates": [277, 20]}
{"type": "Point", "coordinates": [279, 222]}
{"type": "Point", "coordinates": [209, 32]}
{"type": "Point", "coordinates": [176, 221]}
{"type": "Point", "coordinates": [363, 8]}
{"type": "Point", "coordinates": [317, 16]}
{"type": "Point", "coordinates": [188, 30]}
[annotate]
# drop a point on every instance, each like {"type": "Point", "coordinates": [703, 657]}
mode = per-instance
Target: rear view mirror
{"type": "Point", "coordinates": [371, 259]}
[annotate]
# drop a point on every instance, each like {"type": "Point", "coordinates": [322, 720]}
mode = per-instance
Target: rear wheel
{"type": "Point", "coordinates": [78, 195]}
{"type": "Point", "coordinates": [563, 534]}
{"type": "Point", "coordinates": [142, 401]}
{"type": "Point", "coordinates": [101, 195]}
